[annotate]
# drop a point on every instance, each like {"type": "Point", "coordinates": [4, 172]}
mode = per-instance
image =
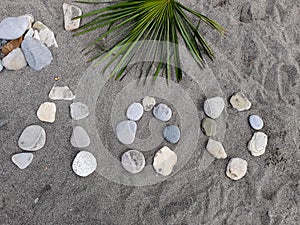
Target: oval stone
{"type": "Point", "coordinates": [33, 138]}
{"type": "Point", "coordinates": [126, 131]}
{"type": "Point", "coordinates": [80, 138]}
{"type": "Point", "coordinates": [135, 111]}
{"type": "Point", "coordinates": [258, 143]}
{"type": "Point", "coordinates": [256, 122]}
{"type": "Point", "coordinates": [79, 111]}
{"type": "Point", "coordinates": [236, 168]}
{"type": "Point", "coordinates": [133, 161]}
{"type": "Point", "coordinates": [209, 126]}
{"type": "Point", "coordinates": [12, 28]}
{"type": "Point", "coordinates": [162, 112]}
{"type": "Point", "coordinates": [22, 160]}
{"type": "Point", "coordinates": [84, 164]}
{"type": "Point", "coordinates": [172, 134]}
{"type": "Point", "coordinates": [213, 107]}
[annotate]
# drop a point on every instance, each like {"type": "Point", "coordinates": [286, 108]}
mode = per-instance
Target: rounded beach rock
{"type": "Point", "coordinates": [209, 127]}
{"type": "Point", "coordinates": [22, 160]}
{"type": "Point", "coordinates": [33, 138]}
{"type": "Point", "coordinates": [126, 131]}
{"type": "Point", "coordinates": [15, 60]}
{"type": "Point", "coordinates": [240, 102]}
{"type": "Point", "coordinates": [213, 107]}
{"type": "Point", "coordinates": [47, 37]}
{"type": "Point", "coordinates": [164, 161]}
{"type": "Point", "coordinates": [79, 111]}
{"type": "Point", "coordinates": [172, 134]}
{"type": "Point", "coordinates": [47, 112]}
{"type": "Point", "coordinates": [236, 168]}
{"type": "Point", "coordinates": [84, 164]}
{"type": "Point", "coordinates": [61, 93]}
{"type": "Point", "coordinates": [12, 28]}
{"type": "Point", "coordinates": [256, 122]}
{"type": "Point", "coordinates": [133, 161]}
{"type": "Point", "coordinates": [148, 103]}
{"type": "Point", "coordinates": [162, 112]}
{"type": "Point", "coordinates": [70, 12]}
{"type": "Point", "coordinates": [258, 143]}
{"type": "Point", "coordinates": [135, 111]}
{"type": "Point", "coordinates": [80, 138]}
{"type": "Point", "coordinates": [216, 149]}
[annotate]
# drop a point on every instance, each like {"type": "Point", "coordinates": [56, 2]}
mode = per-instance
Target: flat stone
{"type": "Point", "coordinates": [1, 66]}
{"type": "Point", "coordinates": [33, 138]}
{"type": "Point", "coordinates": [164, 161]}
{"type": "Point", "coordinates": [15, 60]}
{"type": "Point", "coordinates": [84, 164]}
{"type": "Point", "coordinates": [126, 131]}
{"type": "Point", "coordinates": [258, 143]}
{"type": "Point", "coordinates": [46, 35]}
{"type": "Point", "coordinates": [133, 161]}
{"type": "Point", "coordinates": [162, 112]}
{"type": "Point", "coordinates": [256, 122]}
{"type": "Point", "coordinates": [61, 93]}
{"type": "Point", "coordinates": [135, 111]}
{"type": "Point", "coordinates": [37, 55]}
{"type": "Point", "coordinates": [240, 102]}
{"type": "Point", "coordinates": [213, 107]}
{"type": "Point", "coordinates": [79, 111]}
{"type": "Point", "coordinates": [80, 138]}
{"type": "Point", "coordinates": [22, 160]}
{"type": "Point", "coordinates": [216, 149]}
{"type": "Point", "coordinates": [29, 33]}
{"type": "Point", "coordinates": [172, 134]}
{"type": "Point", "coordinates": [12, 28]}
{"type": "Point", "coordinates": [209, 126]}
{"type": "Point", "coordinates": [70, 12]}
{"type": "Point", "coordinates": [47, 112]}
{"type": "Point", "coordinates": [236, 168]}
{"type": "Point", "coordinates": [148, 103]}
{"type": "Point", "coordinates": [12, 45]}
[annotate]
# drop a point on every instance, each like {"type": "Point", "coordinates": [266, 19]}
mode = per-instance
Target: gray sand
{"type": "Point", "coordinates": [260, 57]}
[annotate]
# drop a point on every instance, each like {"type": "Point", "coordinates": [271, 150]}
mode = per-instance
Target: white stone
{"type": "Point", "coordinates": [80, 138]}
{"type": "Point", "coordinates": [33, 138]}
{"type": "Point", "coordinates": [216, 149]}
{"type": "Point", "coordinates": [84, 164]}
{"type": "Point", "coordinates": [258, 143]}
{"type": "Point", "coordinates": [236, 168]}
{"type": "Point", "coordinates": [133, 161]}
{"type": "Point", "coordinates": [162, 112]}
{"type": "Point", "coordinates": [256, 122]}
{"type": "Point", "coordinates": [15, 60]}
{"type": "Point", "coordinates": [12, 28]}
{"type": "Point", "coordinates": [70, 12]}
{"type": "Point", "coordinates": [47, 37]}
{"type": "Point", "coordinates": [22, 160]}
{"type": "Point", "coordinates": [126, 131]}
{"type": "Point", "coordinates": [79, 111]}
{"type": "Point", "coordinates": [164, 161]}
{"type": "Point", "coordinates": [61, 93]}
{"type": "Point", "coordinates": [148, 103]}
{"type": "Point", "coordinates": [47, 112]}
{"type": "Point", "coordinates": [135, 111]}
{"type": "Point", "coordinates": [213, 107]}
{"type": "Point", "coordinates": [29, 33]}
{"type": "Point", "coordinates": [240, 102]}
{"type": "Point", "coordinates": [36, 35]}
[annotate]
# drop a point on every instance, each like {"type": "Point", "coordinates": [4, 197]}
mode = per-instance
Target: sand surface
{"type": "Point", "coordinates": [260, 57]}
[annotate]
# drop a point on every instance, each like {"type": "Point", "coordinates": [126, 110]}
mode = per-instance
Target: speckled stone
{"type": "Point", "coordinates": [135, 111]}
{"type": "Point", "coordinates": [126, 131]}
{"type": "Point", "coordinates": [79, 111]}
{"type": "Point", "coordinates": [22, 160]}
{"type": "Point", "coordinates": [70, 12]}
{"type": "Point", "coordinates": [256, 122]}
{"type": "Point", "coordinates": [172, 134]}
{"type": "Point", "coordinates": [164, 161]}
{"type": "Point", "coordinates": [33, 138]}
{"type": "Point", "coordinates": [162, 112]}
{"type": "Point", "coordinates": [84, 164]}
{"type": "Point", "coordinates": [258, 143]}
{"type": "Point", "coordinates": [213, 107]}
{"type": "Point", "coordinates": [240, 102]}
{"type": "Point", "coordinates": [133, 161]}
{"type": "Point", "coordinates": [209, 127]}
{"type": "Point", "coordinates": [236, 168]}
{"type": "Point", "coordinates": [80, 138]}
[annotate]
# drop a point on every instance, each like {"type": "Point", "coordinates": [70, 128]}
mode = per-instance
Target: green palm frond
{"type": "Point", "coordinates": [133, 23]}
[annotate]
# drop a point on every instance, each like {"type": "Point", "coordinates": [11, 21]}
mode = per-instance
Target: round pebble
{"type": "Point", "coordinates": [209, 127]}
{"type": "Point", "coordinates": [47, 112]}
{"type": "Point", "coordinates": [84, 164]}
{"type": "Point", "coordinates": [162, 112]}
{"type": "Point", "coordinates": [256, 122]}
{"type": "Point", "coordinates": [236, 168]}
{"type": "Point", "coordinates": [240, 102]}
{"type": "Point", "coordinates": [22, 160]}
{"type": "Point", "coordinates": [33, 138]}
{"type": "Point", "coordinates": [79, 111]}
{"type": "Point", "coordinates": [126, 131]}
{"type": "Point", "coordinates": [213, 107]}
{"type": "Point", "coordinates": [80, 138]}
{"type": "Point", "coordinates": [148, 103]}
{"type": "Point", "coordinates": [133, 161]}
{"type": "Point", "coordinates": [258, 143]}
{"type": "Point", "coordinates": [172, 134]}
{"type": "Point", "coordinates": [135, 111]}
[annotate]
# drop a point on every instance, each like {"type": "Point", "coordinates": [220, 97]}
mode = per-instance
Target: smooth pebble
{"type": "Point", "coordinates": [15, 60]}
{"type": "Point", "coordinates": [33, 138]}
{"type": "Point", "coordinates": [209, 126]}
{"type": "Point", "coordinates": [47, 37]}
{"type": "Point", "coordinates": [216, 149]}
{"type": "Point", "coordinates": [79, 111]}
{"type": "Point", "coordinates": [240, 102]}
{"type": "Point", "coordinates": [135, 111]}
{"type": "Point", "coordinates": [213, 107]}
{"type": "Point", "coordinates": [258, 143]}
{"type": "Point", "coordinates": [47, 112]}
{"type": "Point", "coordinates": [80, 138]}
{"type": "Point", "coordinates": [148, 103]}
{"type": "Point", "coordinates": [256, 122]}
{"type": "Point", "coordinates": [70, 12]}
{"type": "Point", "coordinates": [84, 164]}
{"type": "Point", "coordinates": [171, 133]}
{"type": "Point", "coordinates": [164, 161]}
{"type": "Point", "coordinates": [162, 112]}
{"type": "Point", "coordinates": [236, 168]}
{"type": "Point", "coordinates": [12, 28]}
{"type": "Point", "coordinates": [126, 131]}
{"type": "Point", "coordinates": [133, 161]}
{"type": "Point", "coordinates": [61, 93]}
{"type": "Point", "coordinates": [22, 160]}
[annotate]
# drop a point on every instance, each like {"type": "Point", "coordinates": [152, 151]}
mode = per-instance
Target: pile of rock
{"type": "Point", "coordinates": [23, 41]}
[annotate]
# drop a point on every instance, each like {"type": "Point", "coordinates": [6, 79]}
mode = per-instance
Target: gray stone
{"type": "Point", "coordinates": [1, 66]}
{"type": "Point", "coordinates": [22, 160]}
{"type": "Point", "coordinates": [236, 168]}
{"type": "Point", "coordinates": [15, 60]}
{"type": "Point", "coordinates": [256, 122]}
{"type": "Point", "coordinates": [126, 131]}
{"type": "Point", "coordinates": [33, 138]}
{"type": "Point", "coordinates": [209, 126]}
{"type": "Point", "coordinates": [70, 12]}
{"type": "Point", "coordinates": [80, 138]}
{"type": "Point", "coordinates": [12, 28]}
{"type": "Point", "coordinates": [84, 164]}
{"type": "Point", "coordinates": [164, 161]}
{"type": "Point", "coordinates": [133, 161]}
{"type": "Point", "coordinates": [3, 122]}
{"type": "Point", "coordinates": [47, 112]}
{"type": "Point", "coordinates": [148, 103]}
{"type": "Point", "coordinates": [37, 55]}
{"type": "Point", "coordinates": [240, 102]}
{"type": "Point", "coordinates": [79, 111]}
{"type": "Point", "coordinates": [216, 149]}
{"type": "Point", "coordinates": [135, 111]}
{"type": "Point", "coordinates": [47, 37]}
{"type": "Point", "coordinates": [162, 112]}
{"type": "Point", "coordinates": [172, 134]}
{"type": "Point", "coordinates": [258, 143]}
{"type": "Point", "coordinates": [61, 93]}
{"type": "Point", "coordinates": [213, 107]}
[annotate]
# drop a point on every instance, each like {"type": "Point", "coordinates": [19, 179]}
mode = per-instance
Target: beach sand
{"type": "Point", "coordinates": [260, 57]}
